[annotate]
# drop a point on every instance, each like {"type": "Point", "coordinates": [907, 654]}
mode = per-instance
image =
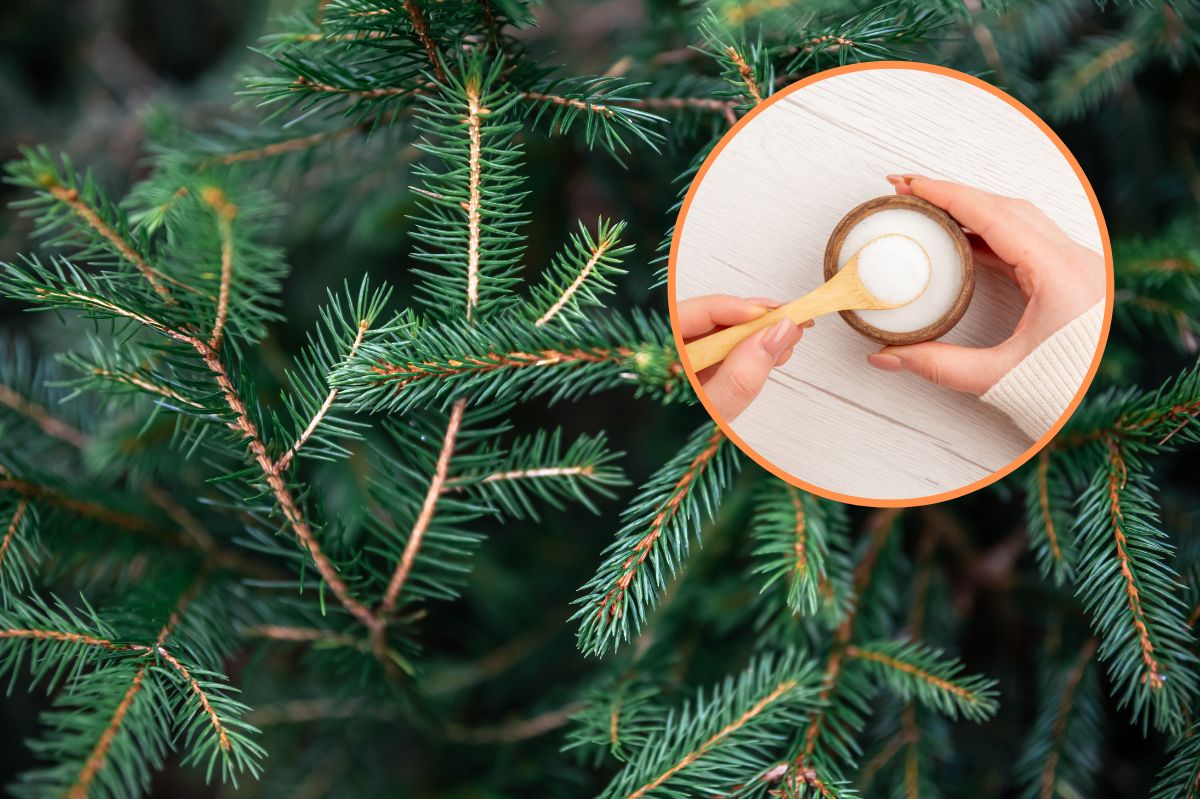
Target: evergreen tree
{"type": "Point", "coordinates": [344, 568]}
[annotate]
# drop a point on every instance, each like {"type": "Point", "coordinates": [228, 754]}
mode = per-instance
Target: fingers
{"type": "Point", "coordinates": [743, 373]}
{"type": "Point", "coordinates": [960, 368]}
{"type": "Point", "coordinates": [699, 315]}
{"type": "Point", "coordinates": [1014, 229]}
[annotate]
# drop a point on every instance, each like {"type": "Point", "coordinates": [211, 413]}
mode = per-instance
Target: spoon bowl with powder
{"type": "Point", "coordinates": [889, 271]}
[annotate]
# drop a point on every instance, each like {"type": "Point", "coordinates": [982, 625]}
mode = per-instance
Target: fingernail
{"type": "Point", "coordinates": [780, 337]}
{"type": "Point", "coordinates": [765, 302]}
{"type": "Point", "coordinates": [888, 363]}
{"type": "Point", "coordinates": [896, 180]}
{"type": "Point", "coordinates": [808, 324]}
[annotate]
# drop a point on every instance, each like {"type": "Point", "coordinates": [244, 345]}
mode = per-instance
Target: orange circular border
{"type": "Point", "coordinates": [1021, 459]}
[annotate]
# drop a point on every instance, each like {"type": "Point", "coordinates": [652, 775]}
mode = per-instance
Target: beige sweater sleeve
{"type": "Point", "coordinates": [1037, 390]}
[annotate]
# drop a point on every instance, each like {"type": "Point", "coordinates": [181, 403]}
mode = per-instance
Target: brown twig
{"type": "Point", "coordinates": [226, 212]}
{"type": "Point", "coordinates": [421, 28]}
{"type": "Point", "coordinates": [474, 157]}
{"type": "Point", "coordinates": [1043, 482]}
{"type": "Point", "coordinates": [924, 676]}
{"type": "Point", "coordinates": [612, 603]}
{"type": "Point", "coordinates": [99, 754]}
{"type": "Point", "coordinates": [428, 507]}
{"type": "Point", "coordinates": [50, 425]}
{"type": "Point", "coordinates": [202, 698]}
{"type": "Point", "coordinates": [13, 524]}
{"type": "Point", "coordinates": [1117, 474]}
{"type": "Point", "coordinates": [561, 302]}
{"type": "Point", "coordinates": [746, 73]}
{"type": "Point", "coordinates": [71, 198]}
{"type": "Point", "coordinates": [278, 486]}
{"type": "Point", "coordinates": [286, 458]}
{"type": "Point", "coordinates": [288, 146]}
{"type": "Point", "coordinates": [495, 361]}
{"type": "Point", "coordinates": [762, 704]}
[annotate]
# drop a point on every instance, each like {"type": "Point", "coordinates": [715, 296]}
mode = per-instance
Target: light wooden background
{"type": "Point", "coordinates": [758, 226]}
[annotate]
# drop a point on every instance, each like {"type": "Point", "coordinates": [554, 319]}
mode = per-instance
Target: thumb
{"type": "Point", "coordinates": [960, 368]}
{"type": "Point", "coordinates": [744, 371]}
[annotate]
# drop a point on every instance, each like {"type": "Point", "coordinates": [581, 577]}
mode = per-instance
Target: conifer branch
{"type": "Point", "coordinates": [421, 29]}
{"type": "Point", "coordinates": [283, 495]}
{"type": "Point", "coordinates": [286, 458]}
{"type": "Point", "coordinates": [13, 524]}
{"type": "Point", "coordinates": [65, 637]}
{"type": "Point", "coordinates": [1117, 476]}
{"type": "Point", "coordinates": [138, 381]}
{"type": "Point", "coordinates": [71, 199]}
{"type": "Point", "coordinates": [474, 157]}
{"type": "Point", "coordinates": [293, 145]}
{"type": "Point", "coordinates": [428, 508]}
{"type": "Point", "coordinates": [720, 735]}
{"type": "Point", "coordinates": [225, 212]}
{"type": "Point", "coordinates": [596, 255]}
{"type": "Point", "coordinates": [50, 424]}
{"type": "Point", "coordinates": [307, 85]}
{"type": "Point", "coordinates": [96, 759]}
{"type": "Point", "coordinates": [98, 756]}
{"type": "Point", "coordinates": [655, 536]}
{"type": "Point", "coordinates": [88, 509]}
{"type": "Point", "coordinates": [746, 73]}
{"type": "Point", "coordinates": [1046, 780]}
{"type": "Point", "coordinates": [918, 672]}
{"type": "Point", "coordinates": [201, 697]}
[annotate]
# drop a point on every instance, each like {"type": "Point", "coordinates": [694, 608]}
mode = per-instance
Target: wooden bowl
{"type": "Point", "coordinates": [939, 328]}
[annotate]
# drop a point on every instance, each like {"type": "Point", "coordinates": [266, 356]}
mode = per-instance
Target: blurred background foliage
{"type": "Point", "coordinates": [1118, 82]}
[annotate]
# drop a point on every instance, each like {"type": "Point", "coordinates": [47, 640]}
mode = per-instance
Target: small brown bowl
{"type": "Point", "coordinates": [939, 328]}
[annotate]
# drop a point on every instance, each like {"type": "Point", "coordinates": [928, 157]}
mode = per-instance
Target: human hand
{"type": "Point", "coordinates": [1059, 279]}
{"type": "Point", "coordinates": [734, 383]}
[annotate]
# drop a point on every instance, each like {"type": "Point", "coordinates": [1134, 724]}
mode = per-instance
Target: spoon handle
{"type": "Point", "coordinates": [835, 295]}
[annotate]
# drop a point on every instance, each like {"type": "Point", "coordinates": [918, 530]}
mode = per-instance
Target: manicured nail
{"type": "Point", "coordinates": [808, 324]}
{"type": "Point", "coordinates": [888, 363]}
{"type": "Point", "coordinates": [765, 302]}
{"type": "Point", "coordinates": [780, 337]}
{"type": "Point", "coordinates": [896, 180]}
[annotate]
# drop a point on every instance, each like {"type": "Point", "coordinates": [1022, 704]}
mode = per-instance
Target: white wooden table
{"type": "Point", "coordinates": [758, 226]}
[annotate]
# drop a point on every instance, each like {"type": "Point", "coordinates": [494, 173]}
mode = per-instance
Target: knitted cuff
{"type": "Point", "coordinates": [1038, 389]}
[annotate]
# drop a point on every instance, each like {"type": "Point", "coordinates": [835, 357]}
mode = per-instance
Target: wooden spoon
{"type": "Point", "coordinates": [845, 291]}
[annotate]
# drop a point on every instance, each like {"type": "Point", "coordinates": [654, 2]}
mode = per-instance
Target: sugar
{"type": "Point", "coordinates": [946, 271]}
{"type": "Point", "coordinates": [894, 268]}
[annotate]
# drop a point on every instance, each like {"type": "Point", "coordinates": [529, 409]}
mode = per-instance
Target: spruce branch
{"type": "Point", "coordinates": [61, 200]}
{"type": "Point", "coordinates": [1127, 585]}
{"type": "Point", "coordinates": [1060, 757]}
{"type": "Point", "coordinates": [1047, 512]}
{"type": "Point", "coordinates": [918, 672]}
{"type": "Point", "coordinates": [536, 468]}
{"type": "Point", "coordinates": [472, 264]}
{"type": "Point", "coordinates": [724, 737]}
{"type": "Point", "coordinates": [582, 275]}
{"type": "Point", "coordinates": [651, 546]}
{"type": "Point", "coordinates": [505, 357]}
{"type": "Point", "coordinates": [428, 508]}
{"type": "Point", "coordinates": [803, 542]}
{"type": "Point", "coordinates": [604, 104]}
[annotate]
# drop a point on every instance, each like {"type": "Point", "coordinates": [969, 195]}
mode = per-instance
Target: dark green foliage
{"type": "Point", "coordinates": [804, 542]}
{"type": "Point", "coordinates": [705, 745]}
{"type": "Point", "coordinates": [659, 526]}
{"type": "Point", "coordinates": [380, 500]}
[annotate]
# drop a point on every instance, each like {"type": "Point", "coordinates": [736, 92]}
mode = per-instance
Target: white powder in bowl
{"type": "Point", "coordinates": [894, 268]}
{"type": "Point", "coordinates": [946, 271]}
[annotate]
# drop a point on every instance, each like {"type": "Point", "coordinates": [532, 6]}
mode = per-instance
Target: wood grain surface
{"type": "Point", "coordinates": [758, 226]}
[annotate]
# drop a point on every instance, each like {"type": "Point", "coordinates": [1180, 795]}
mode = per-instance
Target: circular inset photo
{"type": "Point", "coordinates": [891, 284]}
